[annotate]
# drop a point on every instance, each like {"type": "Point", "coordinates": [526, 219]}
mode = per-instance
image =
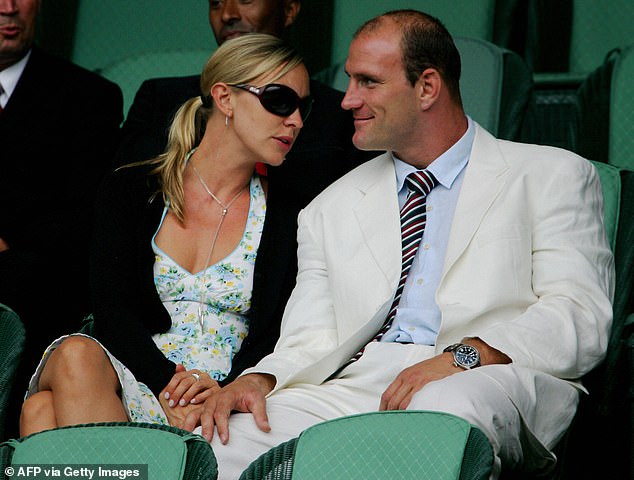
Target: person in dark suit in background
{"type": "Point", "coordinates": [59, 127]}
{"type": "Point", "coordinates": [323, 152]}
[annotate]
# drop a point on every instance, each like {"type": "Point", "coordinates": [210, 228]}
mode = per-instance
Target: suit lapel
{"type": "Point", "coordinates": [377, 214]}
{"type": "Point", "coordinates": [484, 178]}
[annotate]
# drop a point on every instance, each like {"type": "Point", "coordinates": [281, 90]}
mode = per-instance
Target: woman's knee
{"type": "Point", "coordinates": [75, 359]}
{"type": "Point", "coordinates": [39, 405]}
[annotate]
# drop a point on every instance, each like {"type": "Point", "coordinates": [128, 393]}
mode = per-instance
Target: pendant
{"type": "Point", "coordinates": [201, 314]}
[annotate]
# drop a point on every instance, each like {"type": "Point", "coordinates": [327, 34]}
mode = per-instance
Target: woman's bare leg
{"type": "Point", "coordinates": [37, 413]}
{"type": "Point", "coordinates": [83, 384]}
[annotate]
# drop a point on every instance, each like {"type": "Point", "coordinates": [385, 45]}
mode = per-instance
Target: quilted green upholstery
{"type": "Point", "coordinates": [276, 464]}
{"type": "Point", "coordinates": [611, 185]}
{"type": "Point", "coordinates": [379, 445]}
{"type": "Point", "coordinates": [461, 17]}
{"type": "Point", "coordinates": [597, 28]}
{"type": "Point", "coordinates": [108, 31]}
{"type": "Point", "coordinates": [621, 143]}
{"type": "Point", "coordinates": [169, 452]}
{"type": "Point", "coordinates": [11, 347]}
{"type": "Point", "coordinates": [591, 31]}
{"type": "Point", "coordinates": [130, 72]}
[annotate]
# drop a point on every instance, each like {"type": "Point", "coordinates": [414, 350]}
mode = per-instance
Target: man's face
{"type": "Point", "coordinates": [17, 29]}
{"type": "Point", "coordinates": [382, 100]}
{"type": "Point", "coordinates": [232, 18]}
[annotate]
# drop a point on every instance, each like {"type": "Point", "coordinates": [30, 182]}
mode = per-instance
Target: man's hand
{"type": "Point", "coordinates": [188, 386]}
{"type": "Point", "coordinates": [245, 394]}
{"type": "Point", "coordinates": [177, 415]}
{"type": "Point", "coordinates": [400, 392]}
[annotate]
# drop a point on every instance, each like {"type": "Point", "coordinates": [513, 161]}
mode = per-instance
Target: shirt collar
{"type": "Point", "coordinates": [446, 167]}
{"type": "Point", "coordinates": [10, 76]}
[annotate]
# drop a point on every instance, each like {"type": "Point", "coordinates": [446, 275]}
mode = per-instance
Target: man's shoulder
{"type": "Point", "coordinates": [172, 91]}
{"type": "Point", "coordinates": [529, 157]}
{"type": "Point", "coordinates": [66, 75]}
{"type": "Point", "coordinates": [189, 83]}
{"type": "Point", "coordinates": [542, 158]}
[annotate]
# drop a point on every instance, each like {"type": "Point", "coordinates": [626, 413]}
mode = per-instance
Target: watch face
{"type": "Point", "coordinates": [467, 356]}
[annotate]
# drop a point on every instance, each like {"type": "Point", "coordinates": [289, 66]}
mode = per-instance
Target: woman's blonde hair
{"type": "Point", "coordinates": [239, 60]}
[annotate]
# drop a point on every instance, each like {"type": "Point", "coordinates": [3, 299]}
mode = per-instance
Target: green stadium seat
{"type": "Point", "coordinates": [130, 72]}
{"type": "Point", "coordinates": [461, 17]}
{"type": "Point", "coordinates": [109, 31]}
{"type": "Point", "coordinates": [11, 347]}
{"type": "Point", "coordinates": [166, 452]}
{"type": "Point", "coordinates": [606, 111]}
{"type": "Point", "coordinates": [416, 445]}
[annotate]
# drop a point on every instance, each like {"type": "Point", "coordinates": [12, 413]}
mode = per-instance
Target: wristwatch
{"type": "Point", "coordinates": [464, 356]}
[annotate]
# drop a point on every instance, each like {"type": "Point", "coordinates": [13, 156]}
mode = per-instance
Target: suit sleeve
{"type": "Point", "coordinates": [564, 330]}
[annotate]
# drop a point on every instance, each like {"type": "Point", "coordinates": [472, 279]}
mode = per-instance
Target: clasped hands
{"type": "Point", "coordinates": [185, 392]}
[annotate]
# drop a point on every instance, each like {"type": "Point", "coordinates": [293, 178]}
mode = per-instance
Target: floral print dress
{"type": "Point", "coordinates": [208, 342]}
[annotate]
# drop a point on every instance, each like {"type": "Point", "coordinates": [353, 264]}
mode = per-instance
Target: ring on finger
{"type": "Point", "coordinates": [196, 376]}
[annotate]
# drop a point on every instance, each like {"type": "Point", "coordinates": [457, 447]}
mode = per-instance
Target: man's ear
{"type": "Point", "coordinates": [221, 94]}
{"type": "Point", "coordinates": [291, 10]}
{"type": "Point", "coordinates": [428, 87]}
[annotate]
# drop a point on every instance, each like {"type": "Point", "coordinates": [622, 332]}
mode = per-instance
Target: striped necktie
{"type": "Point", "coordinates": [413, 220]}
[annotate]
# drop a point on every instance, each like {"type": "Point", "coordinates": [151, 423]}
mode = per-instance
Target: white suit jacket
{"type": "Point", "coordinates": [527, 269]}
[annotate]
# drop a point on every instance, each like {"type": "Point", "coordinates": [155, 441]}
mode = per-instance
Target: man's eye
{"type": "Point", "coordinates": [366, 82]}
{"type": "Point", "coordinates": [215, 3]}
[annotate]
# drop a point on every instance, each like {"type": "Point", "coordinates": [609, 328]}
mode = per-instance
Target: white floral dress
{"type": "Point", "coordinates": [206, 342]}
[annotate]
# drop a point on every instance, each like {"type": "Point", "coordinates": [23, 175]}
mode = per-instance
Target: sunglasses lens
{"type": "Point", "coordinates": [283, 101]}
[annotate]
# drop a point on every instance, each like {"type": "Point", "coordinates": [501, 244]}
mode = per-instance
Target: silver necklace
{"type": "Point", "coordinates": [225, 210]}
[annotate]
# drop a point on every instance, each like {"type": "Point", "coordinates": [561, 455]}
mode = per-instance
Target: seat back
{"type": "Point", "coordinates": [109, 31]}
{"type": "Point", "coordinates": [610, 177]}
{"type": "Point", "coordinates": [597, 28]}
{"type": "Point", "coordinates": [11, 348]}
{"type": "Point", "coordinates": [154, 451]}
{"type": "Point", "coordinates": [378, 445]}
{"type": "Point", "coordinates": [621, 134]}
{"type": "Point", "coordinates": [495, 85]}
{"type": "Point", "coordinates": [131, 71]}
{"type": "Point", "coordinates": [413, 445]}
{"type": "Point", "coordinates": [461, 17]}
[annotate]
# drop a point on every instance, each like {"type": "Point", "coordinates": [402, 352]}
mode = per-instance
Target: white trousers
{"type": "Point", "coordinates": [480, 396]}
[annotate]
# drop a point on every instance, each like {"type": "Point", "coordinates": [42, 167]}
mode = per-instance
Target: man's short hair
{"type": "Point", "coordinates": [425, 43]}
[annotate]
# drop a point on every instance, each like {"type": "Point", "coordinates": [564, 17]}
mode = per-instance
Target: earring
{"type": "Point", "coordinates": [226, 120]}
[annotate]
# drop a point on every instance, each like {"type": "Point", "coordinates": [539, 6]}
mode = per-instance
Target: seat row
{"type": "Point", "coordinates": [603, 427]}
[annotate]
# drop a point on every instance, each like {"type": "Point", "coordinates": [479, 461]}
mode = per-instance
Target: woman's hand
{"type": "Point", "coordinates": [187, 387]}
{"type": "Point", "coordinates": [176, 416]}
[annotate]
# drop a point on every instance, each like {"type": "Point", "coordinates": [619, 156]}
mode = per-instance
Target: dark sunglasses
{"type": "Point", "coordinates": [279, 99]}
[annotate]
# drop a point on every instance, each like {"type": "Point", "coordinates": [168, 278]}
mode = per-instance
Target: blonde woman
{"type": "Point", "coordinates": [194, 254]}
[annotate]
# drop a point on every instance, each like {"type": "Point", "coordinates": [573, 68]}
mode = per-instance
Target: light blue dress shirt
{"type": "Point", "coordinates": [418, 317]}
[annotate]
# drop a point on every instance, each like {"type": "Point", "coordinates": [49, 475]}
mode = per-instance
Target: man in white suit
{"type": "Point", "coordinates": [506, 305]}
